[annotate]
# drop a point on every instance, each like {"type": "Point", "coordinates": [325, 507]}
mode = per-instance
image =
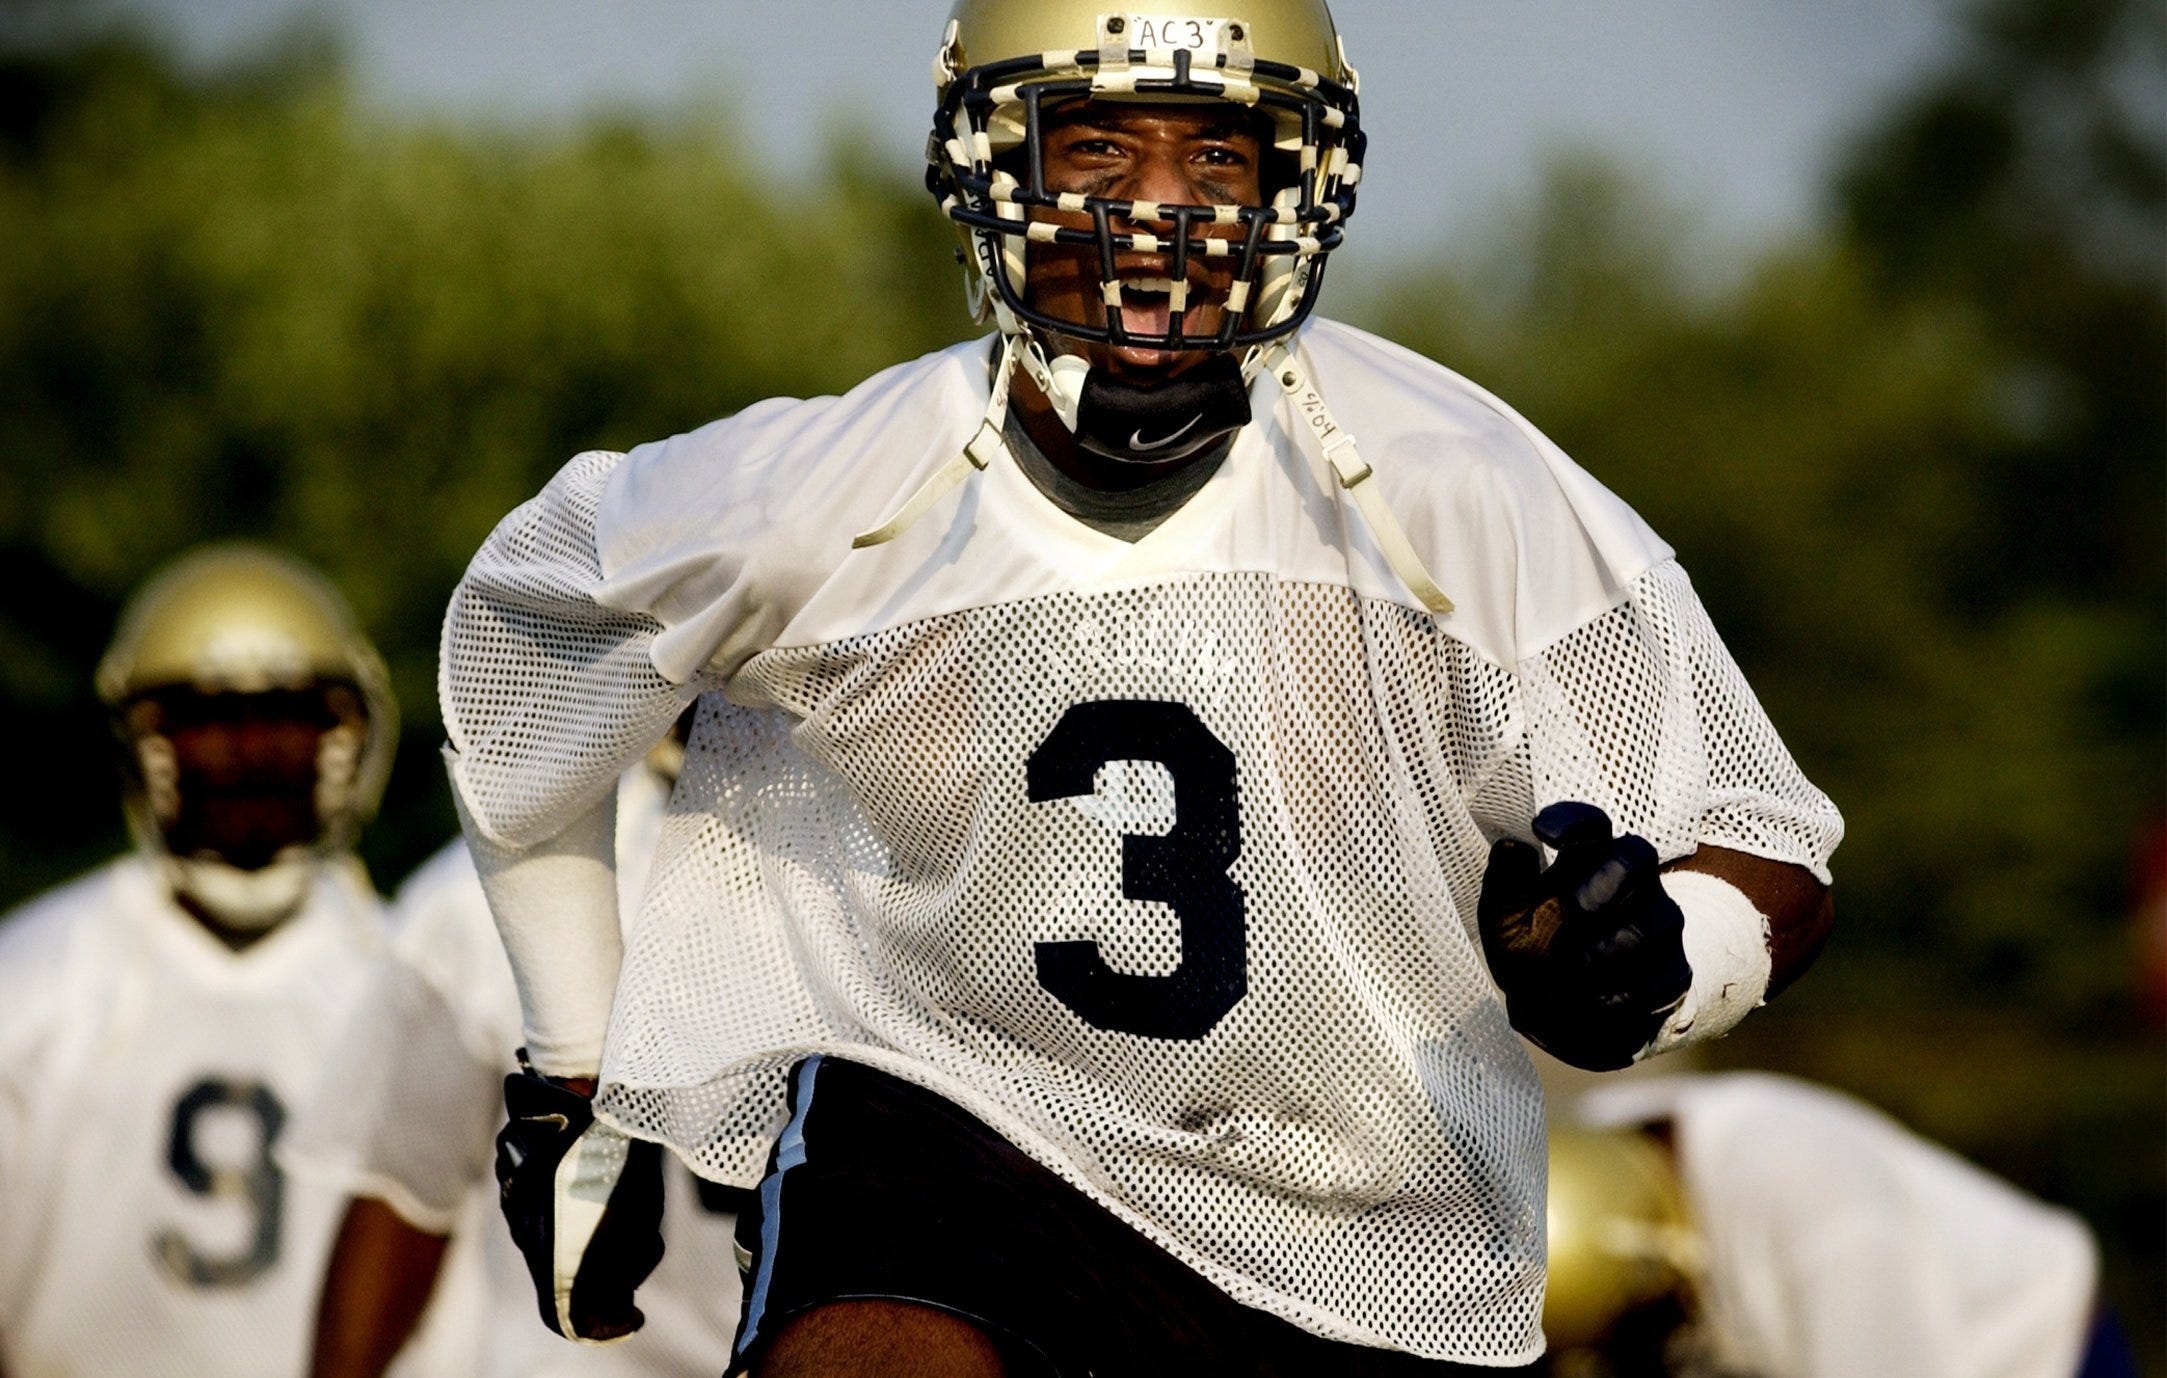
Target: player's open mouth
{"type": "Point", "coordinates": [1146, 305]}
{"type": "Point", "coordinates": [1147, 311]}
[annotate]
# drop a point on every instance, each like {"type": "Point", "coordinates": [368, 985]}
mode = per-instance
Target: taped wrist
{"type": "Point", "coordinates": [1726, 943]}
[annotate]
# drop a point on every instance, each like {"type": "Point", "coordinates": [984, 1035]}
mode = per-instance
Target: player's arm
{"type": "Point", "coordinates": [1605, 954]}
{"type": "Point", "coordinates": [549, 690]}
{"type": "Point", "coordinates": [400, 1126]}
{"type": "Point", "coordinates": [583, 1201]}
{"type": "Point", "coordinates": [555, 677]}
{"type": "Point", "coordinates": [379, 1280]}
{"type": "Point", "coordinates": [555, 905]}
{"type": "Point", "coordinates": [548, 694]}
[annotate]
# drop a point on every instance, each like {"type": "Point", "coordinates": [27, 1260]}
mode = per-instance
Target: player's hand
{"type": "Point", "coordinates": [1590, 953]}
{"type": "Point", "coordinates": [584, 1202]}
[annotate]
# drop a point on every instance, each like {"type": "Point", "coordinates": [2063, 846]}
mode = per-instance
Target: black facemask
{"type": "Point", "coordinates": [1175, 420]}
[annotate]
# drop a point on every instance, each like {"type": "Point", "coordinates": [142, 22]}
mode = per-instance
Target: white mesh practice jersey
{"type": "Point", "coordinates": [409, 1108]}
{"type": "Point", "coordinates": [145, 1071]}
{"type": "Point", "coordinates": [1159, 857]}
{"type": "Point", "coordinates": [1838, 1243]}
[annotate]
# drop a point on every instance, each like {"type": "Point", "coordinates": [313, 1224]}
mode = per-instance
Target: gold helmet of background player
{"type": "Point", "coordinates": [224, 629]}
{"type": "Point", "coordinates": [1003, 63]}
{"type": "Point", "coordinates": [1619, 1234]}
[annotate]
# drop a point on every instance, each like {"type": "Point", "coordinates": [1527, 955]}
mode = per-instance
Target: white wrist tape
{"type": "Point", "coordinates": [1726, 944]}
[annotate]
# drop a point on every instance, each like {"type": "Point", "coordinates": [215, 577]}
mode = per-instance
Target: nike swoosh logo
{"type": "Point", "coordinates": [1143, 447]}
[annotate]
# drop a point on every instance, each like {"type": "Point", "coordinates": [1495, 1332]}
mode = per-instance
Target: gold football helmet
{"type": "Point", "coordinates": [1619, 1233]}
{"type": "Point", "coordinates": [255, 654]}
{"type": "Point", "coordinates": [1004, 63]}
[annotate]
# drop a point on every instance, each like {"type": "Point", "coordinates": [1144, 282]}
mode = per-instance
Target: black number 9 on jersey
{"type": "Point", "coordinates": [1186, 869]}
{"type": "Point", "coordinates": [255, 1183]}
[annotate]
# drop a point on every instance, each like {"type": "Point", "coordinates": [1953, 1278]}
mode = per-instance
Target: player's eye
{"type": "Point", "coordinates": [1093, 148]}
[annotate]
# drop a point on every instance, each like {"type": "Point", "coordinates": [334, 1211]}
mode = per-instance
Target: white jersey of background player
{"type": "Point", "coordinates": [1808, 1235]}
{"type": "Point", "coordinates": [160, 1017]}
{"type": "Point", "coordinates": [443, 1000]}
{"type": "Point", "coordinates": [1165, 853]}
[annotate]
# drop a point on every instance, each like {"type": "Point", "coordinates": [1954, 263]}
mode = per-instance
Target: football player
{"type": "Point", "coordinates": [1748, 1226]}
{"type": "Point", "coordinates": [163, 1013]}
{"type": "Point", "coordinates": [1189, 738]}
{"type": "Point", "coordinates": [421, 1233]}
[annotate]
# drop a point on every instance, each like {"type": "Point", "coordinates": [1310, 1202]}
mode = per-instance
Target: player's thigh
{"type": "Point", "coordinates": [880, 1339]}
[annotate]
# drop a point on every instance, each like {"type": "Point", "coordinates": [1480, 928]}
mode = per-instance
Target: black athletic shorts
{"type": "Point", "coordinates": [880, 1189]}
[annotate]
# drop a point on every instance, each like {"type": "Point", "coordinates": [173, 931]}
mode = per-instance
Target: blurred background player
{"type": "Point", "coordinates": [1754, 1226]}
{"type": "Point", "coordinates": [404, 1123]}
{"type": "Point", "coordinates": [163, 1013]}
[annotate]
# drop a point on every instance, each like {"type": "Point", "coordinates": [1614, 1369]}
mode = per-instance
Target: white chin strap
{"type": "Point", "coordinates": [1061, 379]}
{"type": "Point", "coordinates": [1314, 419]}
{"type": "Point", "coordinates": [978, 452]}
{"type": "Point", "coordinates": [248, 901]}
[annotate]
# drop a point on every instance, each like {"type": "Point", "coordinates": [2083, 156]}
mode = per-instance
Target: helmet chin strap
{"type": "Point", "coordinates": [1110, 418]}
{"type": "Point", "coordinates": [1061, 379]}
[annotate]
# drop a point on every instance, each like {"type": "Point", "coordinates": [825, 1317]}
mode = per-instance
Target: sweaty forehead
{"type": "Point", "coordinates": [1212, 121]}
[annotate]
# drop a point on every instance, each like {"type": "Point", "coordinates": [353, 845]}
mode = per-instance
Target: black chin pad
{"type": "Point", "coordinates": [1173, 420]}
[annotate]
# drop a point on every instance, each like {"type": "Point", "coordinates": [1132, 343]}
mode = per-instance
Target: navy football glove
{"type": "Point", "coordinates": [1590, 953]}
{"type": "Point", "coordinates": [584, 1202]}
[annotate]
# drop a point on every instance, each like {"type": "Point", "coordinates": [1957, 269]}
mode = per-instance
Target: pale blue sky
{"type": "Point", "coordinates": [1737, 106]}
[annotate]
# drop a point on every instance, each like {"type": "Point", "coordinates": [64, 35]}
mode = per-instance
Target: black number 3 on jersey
{"type": "Point", "coordinates": [1186, 869]}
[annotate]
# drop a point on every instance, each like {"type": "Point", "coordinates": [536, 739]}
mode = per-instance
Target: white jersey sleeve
{"type": "Point", "coordinates": [1839, 1243]}
{"type": "Point", "coordinates": [533, 749]}
{"type": "Point", "coordinates": [409, 1107]}
{"type": "Point", "coordinates": [1642, 712]}
{"type": "Point", "coordinates": [443, 937]}
{"type": "Point", "coordinates": [1628, 698]}
{"type": "Point", "coordinates": [406, 1113]}
{"type": "Point", "coordinates": [33, 949]}
{"type": "Point", "coordinates": [597, 611]}
{"type": "Point", "coordinates": [411, 1099]}
{"type": "Point", "coordinates": [549, 693]}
